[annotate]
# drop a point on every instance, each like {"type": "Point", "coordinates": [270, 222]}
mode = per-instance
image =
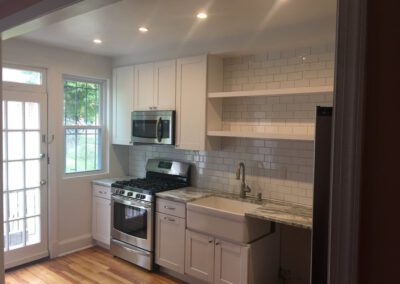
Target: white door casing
{"type": "Point", "coordinates": [24, 173]}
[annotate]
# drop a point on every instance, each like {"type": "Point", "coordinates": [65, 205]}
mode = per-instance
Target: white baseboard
{"type": "Point", "coordinates": [24, 260]}
{"type": "Point", "coordinates": [71, 245]}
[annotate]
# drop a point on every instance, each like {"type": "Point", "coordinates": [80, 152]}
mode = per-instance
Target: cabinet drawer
{"type": "Point", "coordinates": [102, 191]}
{"type": "Point", "coordinates": [171, 207]}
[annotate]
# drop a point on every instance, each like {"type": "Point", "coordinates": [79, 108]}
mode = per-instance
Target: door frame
{"type": "Point", "coordinates": [23, 92]}
{"type": "Point", "coordinates": [347, 141]}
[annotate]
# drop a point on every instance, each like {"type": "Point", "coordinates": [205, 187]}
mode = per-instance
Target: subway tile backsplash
{"type": "Point", "coordinates": [279, 169]}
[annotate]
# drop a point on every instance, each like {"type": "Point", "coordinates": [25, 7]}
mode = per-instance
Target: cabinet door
{"type": "Point", "coordinates": [191, 103]}
{"type": "Point", "coordinates": [101, 220]}
{"type": "Point", "coordinates": [170, 237]}
{"type": "Point", "coordinates": [123, 82]}
{"type": "Point", "coordinates": [165, 85]}
{"type": "Point", "coordinates": [144, 86]}
{"type": "Point", "coordinates": [231, 263]}
{"type": "Point", "coordinates": [199, 256]}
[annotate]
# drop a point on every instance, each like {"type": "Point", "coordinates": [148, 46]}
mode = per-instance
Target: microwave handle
{"type": "Point", "coordinates": [159, 129]}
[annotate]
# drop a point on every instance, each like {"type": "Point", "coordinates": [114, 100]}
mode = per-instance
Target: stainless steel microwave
{"type": "Point", "coordinates": [153, 127]}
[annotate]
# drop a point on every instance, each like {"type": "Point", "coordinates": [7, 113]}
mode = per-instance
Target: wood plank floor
{"type": "Point", "coordinates": [93, 265]}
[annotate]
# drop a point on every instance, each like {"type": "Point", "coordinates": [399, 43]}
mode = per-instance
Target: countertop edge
{"type": "Point", "coordinates": [277, 220]}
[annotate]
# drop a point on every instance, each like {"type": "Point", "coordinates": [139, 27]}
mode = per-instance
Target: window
{"type": "Point", "coordinates": [30, 77]}
{"type": "Point", "coordinates": [83, 125]}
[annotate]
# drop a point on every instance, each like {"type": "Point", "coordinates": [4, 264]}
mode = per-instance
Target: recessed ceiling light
{"type": "Point", "coordinates": [143, 29]}
{"type": "Point", "coordinates": [97, 41]}
{"type": "Point", "coordinates": [202, 15]}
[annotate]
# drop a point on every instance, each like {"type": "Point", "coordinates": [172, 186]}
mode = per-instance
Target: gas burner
{"type": "Point", "coordinates": [160, 176]}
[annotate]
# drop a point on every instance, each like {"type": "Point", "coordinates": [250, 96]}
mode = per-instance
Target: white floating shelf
{"type": "Point", "coordinates": [259, 135]}
{"type": "Point", "coordinates": [273, 92]}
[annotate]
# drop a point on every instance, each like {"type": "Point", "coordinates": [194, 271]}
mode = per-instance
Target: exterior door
{"type": "Point", "coordinates": [24, 174]}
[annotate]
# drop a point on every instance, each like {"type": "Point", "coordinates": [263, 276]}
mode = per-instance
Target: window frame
{"type": "Point", "coordinates": [102, 127]}
{"type": "Point", "coordinates": [24, 86]}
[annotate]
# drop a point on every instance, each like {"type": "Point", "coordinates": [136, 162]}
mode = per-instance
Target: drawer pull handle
{"type": "Point", "coordinates": [169, 219]}
{"type": "Point", "coordinates": [169, 208]}
{"type": "Point", "coordinates": [217, 243]}
{"type": "Point", "coordinates": [210, 241]}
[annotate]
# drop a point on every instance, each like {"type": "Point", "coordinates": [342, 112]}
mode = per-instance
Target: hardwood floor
{"type": "Point", "coordinates": [93, 265]}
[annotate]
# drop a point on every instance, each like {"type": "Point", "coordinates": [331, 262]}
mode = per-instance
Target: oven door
{"type": "Point", "coordinates": [153, 127]}
{"type": "Point", "coordinates": [132, 222]}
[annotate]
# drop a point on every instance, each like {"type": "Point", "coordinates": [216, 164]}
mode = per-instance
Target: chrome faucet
{"type": "Point", "coordinates": [244, 188]}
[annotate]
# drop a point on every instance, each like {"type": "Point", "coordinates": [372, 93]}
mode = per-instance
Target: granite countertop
{"type": "Point", "coordinates": [284, 213]}
{"type": "Point", "coordinates": [280, 212]}
{"type": "Point", "coordinates": [186, 194]}
{"type": "Point", "coordinates": [109, 181]}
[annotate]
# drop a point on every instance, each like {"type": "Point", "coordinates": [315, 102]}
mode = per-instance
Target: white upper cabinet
{"type": "Point", "coordinates": [144, 86]}
{"type": "Point", "coordinates": [123, 93]}
{"type": "Point", "coordinates": [191, 103]}
{"type": "Point", "coordinates": [195, 76]}
{"type": "Point", "coordinates": [155, 86]}
{"type": "Point", "coordinates": [165, 85]}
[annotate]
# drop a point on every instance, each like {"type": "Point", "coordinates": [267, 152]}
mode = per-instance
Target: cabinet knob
{"type": "Point", "coordinates": [210, 241]}
{"type": "Point", "coordinates": [217, 243]}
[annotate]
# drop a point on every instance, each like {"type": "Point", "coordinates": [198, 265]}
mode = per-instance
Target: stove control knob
{"type": "Point", "coordinates": [138, 195]}
{"type": "Point", "coordinates": [121, 191]}
{"type": "Point", "coordinates": [130, 193]}
{"type": "Point", "coordinates": [142, 196]}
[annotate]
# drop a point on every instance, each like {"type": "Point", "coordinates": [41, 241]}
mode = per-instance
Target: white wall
{"type": "Point", "coordinates": [69, 198]}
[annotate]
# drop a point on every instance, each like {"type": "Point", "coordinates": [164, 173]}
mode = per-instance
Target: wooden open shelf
{"type": "Point", "coordinates": [273, 92]}
{"type": "Point", "coordinates": [259, 135]}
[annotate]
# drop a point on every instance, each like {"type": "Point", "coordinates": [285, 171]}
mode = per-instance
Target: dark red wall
{"type": "Point", "coordinates": [9, 7]}
{"type": "Point", "coordinates": [380, 209]}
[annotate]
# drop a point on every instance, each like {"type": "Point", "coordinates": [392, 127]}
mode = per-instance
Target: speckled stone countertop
{"type": "Point", "coordinates": [281, 212]}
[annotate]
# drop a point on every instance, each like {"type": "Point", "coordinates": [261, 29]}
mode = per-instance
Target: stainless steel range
{"type": "Point", "coordinates": [132, 209]}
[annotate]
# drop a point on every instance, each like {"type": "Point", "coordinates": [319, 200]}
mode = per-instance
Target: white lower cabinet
{"type": "Point", "coordinates": [199, 256]}
{"type": "Point", "coordinates": [215, 261]}
{"type": "Point", "coordinates": [231, 263]}
{"type": "Point", "coordinates": [101, 214]}
{"type": "Point", "coordinates": [202, 258]}
{"type": "Point", "coordinates": [170, 235]}
{"type": "Point", "coordinates": [221, 262]}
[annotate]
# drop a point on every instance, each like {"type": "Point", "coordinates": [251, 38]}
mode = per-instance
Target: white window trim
{"type": "Point", "coordinates": [102, 127]}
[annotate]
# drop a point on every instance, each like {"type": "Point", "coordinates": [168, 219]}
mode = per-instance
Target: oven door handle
{"type": "Point", "coordinates": [132, 203]}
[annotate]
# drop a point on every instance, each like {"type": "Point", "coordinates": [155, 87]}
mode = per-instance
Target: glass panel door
{"type": "Point", "coordinates": [24, 177]}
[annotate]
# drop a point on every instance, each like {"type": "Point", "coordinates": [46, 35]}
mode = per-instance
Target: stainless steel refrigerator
{"type": "Point", "coordinates": [321, 195]}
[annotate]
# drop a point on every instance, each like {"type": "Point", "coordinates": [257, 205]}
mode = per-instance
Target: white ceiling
{"type": "Point", "coordinates": [232, 26]}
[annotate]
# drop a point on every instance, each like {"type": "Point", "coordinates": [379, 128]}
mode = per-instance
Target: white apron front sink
{"type": "Point", "coordinates": [225, 218]}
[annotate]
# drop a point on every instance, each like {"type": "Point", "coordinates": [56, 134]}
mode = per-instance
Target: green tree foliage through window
{"type": "Point", "coordinates": [82, 124]}
{"type": "Point", "coordinates": [81, 103]}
